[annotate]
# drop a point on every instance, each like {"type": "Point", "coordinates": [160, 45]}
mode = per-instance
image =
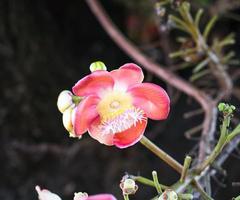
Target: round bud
{"type": "Point", "coordinates": [64, 100]}
{"type": "Point", "coordinates": [97, 66]}
{"type": "Point", "coordinates": [128, 186]}
{"type": "Point", "coordinates": [221, 107]}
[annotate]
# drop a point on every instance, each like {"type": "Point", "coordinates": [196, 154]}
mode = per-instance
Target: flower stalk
{"type": "Point", "coordinates": [126, 197]}
{"type": "Point", "coordinates": [161, 154]}
{"type": "Point", "coordinates": [225, 136]}
{"type": "Point", "coordinates": [156, 183]}
{"type": "Point", "coordinates": [147, 181]}
{"type": "Point", "coordinates": [186, 166]}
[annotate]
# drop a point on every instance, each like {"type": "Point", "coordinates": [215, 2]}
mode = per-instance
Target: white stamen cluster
{"type": "Point", "coordinates": [123, 122]}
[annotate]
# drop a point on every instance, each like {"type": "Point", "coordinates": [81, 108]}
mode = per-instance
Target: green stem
{"type": "Point", "coordinates": [218, 148]}
{"type": "Point", "coordinates": [156, 183]}
{"type": "Point", "coordinates": [234, 133]}
{"type": "Point", "coordinates": [186, 166]}
{"type": "Point", "coordinates": [126, 197]}
{"type": "Point", "coordinates": [161, 154]}
{"type": "Point", "coordinates": [185, 196]}
{"type": "Point", "coordinates": [146, 181]}
{"type": "Point", "coordinates": [76, 99]}
{"type": "Point", "coordinates": [201, 191]}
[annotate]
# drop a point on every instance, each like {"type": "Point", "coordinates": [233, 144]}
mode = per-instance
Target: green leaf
{"type": "Point", "coordinates": [209, 27]}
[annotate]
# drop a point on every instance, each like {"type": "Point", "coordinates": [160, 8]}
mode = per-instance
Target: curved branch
{"type": "Point", "coordinates": [131, 50]}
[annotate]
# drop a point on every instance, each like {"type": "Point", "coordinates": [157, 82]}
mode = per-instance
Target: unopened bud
{"type": "Point", "coordinates": [44, 194]}
{"type": "Point", "coordinates": [128, 186]}
{"type": "Point", "coordinates": [64, 100]}
{"type": "Point", "coordinates": [168, 195]}
{"type": "Point", "coordinates": [97, 66]}
{"type": "Point", "coordinates": [80, 196]}
{"type": "Point", "coordinates": [67, 119]}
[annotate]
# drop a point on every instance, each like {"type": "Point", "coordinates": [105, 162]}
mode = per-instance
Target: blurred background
{"type": "Point", "coordinates": [46, 47]}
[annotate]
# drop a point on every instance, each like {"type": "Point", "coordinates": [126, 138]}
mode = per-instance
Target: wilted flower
{"type": "Point", "coordinates": [47, 195]}
{"type": "Point", "coordinates": [116, 105]}
{"type": "Point", "coordinates": [44, 194]}
{"type": "Point", "coordinates": [128, 186]}
{"type": "Point", "coordinates": [168, 195]}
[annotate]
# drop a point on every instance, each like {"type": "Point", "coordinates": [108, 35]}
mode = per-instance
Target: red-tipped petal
{"type": "Point", "coordinates": [130, 136]}
{"type": "Point", "coordinates": [101, 197]}
{"type": "Point", "coordinates": [152, 99]}
{"type": "Point", "coordinates": [127, 75]}
{"type": "Point", "coordinates": [94, 83]}
{"type": "Point", "coordinates": [85, 113]}
{"type": "Point", "coordinates": [96, 133]}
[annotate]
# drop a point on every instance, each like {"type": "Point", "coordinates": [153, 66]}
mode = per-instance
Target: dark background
{"type": "Point", "coordinates": [45, 47]}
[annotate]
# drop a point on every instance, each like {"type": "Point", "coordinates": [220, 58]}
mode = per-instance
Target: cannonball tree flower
{"type": "Point", "coordinates": [44, 194]}
{"type": "Point", "coordinates": [115, 105]}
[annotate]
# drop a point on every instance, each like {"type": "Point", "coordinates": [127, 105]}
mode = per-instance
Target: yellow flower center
{"type": "Point", "coordinates": [113, 104]}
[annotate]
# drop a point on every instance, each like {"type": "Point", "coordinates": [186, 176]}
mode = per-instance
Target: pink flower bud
{"type": "Point", "coordinates": [46, 194]}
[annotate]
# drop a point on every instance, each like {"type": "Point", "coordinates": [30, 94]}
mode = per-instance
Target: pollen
{"type": "Point", "coordinates": [113, 104]}
{"type": "Point", "coordinates": [117, 112]}
{"type": "Point", "coordinates": [123, 121]}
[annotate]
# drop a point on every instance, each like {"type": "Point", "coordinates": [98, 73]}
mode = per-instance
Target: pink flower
{"type": "Point", "coordinates": [116, 105]}
{"type": "Point", "coordinates": [84, 196]}
{"type": "Point", "coordinates": [44, 194]}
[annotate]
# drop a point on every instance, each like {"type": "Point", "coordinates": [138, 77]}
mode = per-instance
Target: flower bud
{"type": "Point", "coordinates": [64, 100]}
{"type": "Point", "coordinates": [80, 196]}
{"type": "Point", "coordinates": [168, 194]}
{"type": "Point", "coordinates": [97, 66]}
{"type": "Point", "coordinates": [46, 194]}
{"type": "Point", "coordinates": [128, 186]}
{"type": "Point", "coordinates": [67, 119]}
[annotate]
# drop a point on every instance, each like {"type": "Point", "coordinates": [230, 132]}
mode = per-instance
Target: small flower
{"type": "Point", "coordinates": [128, 186]}
{"type": "Point", "coordinates": [47, 195]}
{"type": "Point", "coordinates": [115, 105]}
{"type": "Point", "coordinates": [44, 194]}
{"type": "Point", "coordinates": [168, 195]}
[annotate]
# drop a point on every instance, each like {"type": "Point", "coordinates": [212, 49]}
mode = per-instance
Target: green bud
{"type": "Point", "coordinates": [186, 6]}
{"type": "Point", "coordinates": [97, 66]}
{"type": "Point", "coordinates": [233, 107]}
{"type": "Point", "coordinates": [221, 107]}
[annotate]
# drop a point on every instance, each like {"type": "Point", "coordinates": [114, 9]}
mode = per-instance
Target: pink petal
{"type": "Point", "coordinates": [127, 75]}
{"type": "Point", "coordinates": [94, 83]}
{"type": "Point", "coordinates": [152, 99]}
{"type": "Point", "coordinates": [101, 197]}
{"type": "Point", "coordinates": [44, 194]}
{"type": "Point", "coordinates": [130, 136]}
{"type": "Point", "coordinates": [85, 113]}
{"type": "Point", "coordinates": [96, 133]}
